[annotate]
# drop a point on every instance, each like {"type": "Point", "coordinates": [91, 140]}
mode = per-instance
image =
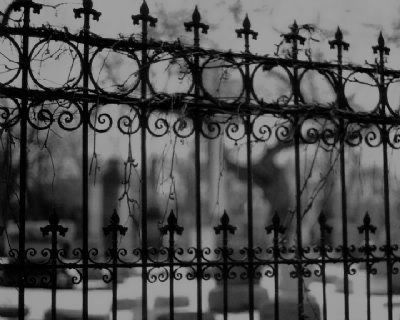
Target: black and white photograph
{"type": "Point", "coordinates": [199, 160]}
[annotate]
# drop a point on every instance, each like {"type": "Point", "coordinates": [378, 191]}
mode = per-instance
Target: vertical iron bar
{"type": "Point", "coordinates": [171, 276]}
{"type": "Point", "coordinates": [383, 50]}
{"type": "Point", "coordinates": [225, 274]}
{"type": "Point", "coordinates": [196, 25]}
{"type": "Point", "coordinates": [23, 165]}
{"type": "Point", "coordinates": [85, 169]}
{"type": "Point", "coordinates": [250, 237]}
{"type": "Point", "coordinates": [368, 267]}
{"type": "Point", "coordinates": [145, 18]}
{"type": "Point", "coordinates": [276, 279]}
{"type": "Point", "coordinates": [114, 228]}
{"type": "Point", "coordinates": [54, 228]}
{"type": "Point", "coordinates": [197, 145]}
{"type": "Point", "coordinates": [341, 45]}
{"type": "Point", "coordinates": [172, 227]}
{"type": "Point", "coordinates": [53, 276]}
{"type": "Point", "coordinates": [277, 229]}
{"type": "Point", "coordinates": [387, 225]}
{"type": "Point", "coordinates": [225, 227]}
{"type": "Point", "coordinates": [197, 124]}
{"type": "Point", "coordinates": [143, 89]}
{"type": "Point", "coordinates": [367, 249]}
{"type": "Point", "coordinates": [299, 250]}
{"type": "Point", "coordinates": [249, 129]}
{"type": "Point", "coordinates": [115, 274]}
{"type": "Point", "coordinates": [324, 228]}
{"type": "Point", "coordinates": [87, 10]}
{"type": "Point", "coordinates": [344, 203]}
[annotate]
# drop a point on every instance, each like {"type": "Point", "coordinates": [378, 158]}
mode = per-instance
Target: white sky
{"type": "Point", "coordinates": [360, 20]}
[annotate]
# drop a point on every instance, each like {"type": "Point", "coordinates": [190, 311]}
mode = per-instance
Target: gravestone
{"type": "Point", "coordinates": [288, 299]}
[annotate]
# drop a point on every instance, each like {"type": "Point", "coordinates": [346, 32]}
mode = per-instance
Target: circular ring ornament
{"type": "Point", "coordinates": [169, 74]}
{"type": "Point", "coordinates": [48, 57]}
{"type": "Point", "coordinates": [114, 72]}
{"type": "Point", "coordinates": [224, 81]}
{"type": "Point", "coordinates": [10, 60]}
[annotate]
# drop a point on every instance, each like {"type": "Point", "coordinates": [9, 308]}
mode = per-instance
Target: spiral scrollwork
{"type": "Point", "coordinates": [129, 123]}
{"type": "Point", "coordinates": [77, 277]}
{"type": "Point", "coordinates": [373, 136]}
{"type": "Point", "coordinates": [99, 121]}
{"type": "Point", "coordinates": [41, 116]}
{"type": "Point", "coordinates": [183, 127]}
{"type": "Point", "coordinates": [70, 116]}
{"type": "Point", "coordinates": [157, 124]}
{"type": "Point", "coordinates": [393, 135]}
{"type": "Point", "coordinates": [284, 131]}
{"type": "Point", "coordinates": [211, 128]}
{"type": "Point", "coordinates": [261, 129]}
{"type": "Point", "coordinates": [235, 128]}
{"type": "Point", "coordinates": [155, 274]}
{"type": "Point", "coordinates": [270, 271]}
{"type": "Point", "coordinates": [353, 135]}
{"type": "Point", "coordinates": [309, 131]}
{"type": "Point", "coordinates": [9, 113]}
{"type": "Point", "coordinates": [108, 275]}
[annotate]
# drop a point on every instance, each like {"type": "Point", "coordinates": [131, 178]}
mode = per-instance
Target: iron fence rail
{"type": "Point", "coordinates": [192, 114]}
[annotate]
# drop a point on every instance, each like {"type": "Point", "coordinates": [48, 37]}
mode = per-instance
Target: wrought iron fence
{"type": "Point", "coordinates": [76, 104]}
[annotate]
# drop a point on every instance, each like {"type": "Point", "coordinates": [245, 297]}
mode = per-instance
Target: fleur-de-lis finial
{"type": "Point", "coordinates": [246, 23]}
{"type": "Point", "coordinates": [114, 227]}
{"type": "Point", "coordinates": [339, 34]}
{"type": "Point", "coordinates": [144, 8]}
{"type": "Point", "coordinates": [367, 226]}
{"type": "Point", "coordinates": [196, 23]}
{"type": "Point", "coordinates": [338, 42]}
{"type": "Point", "coordinates": [294, 35]}
{"type": "Point", "coordinates": [276, 226]}
{"type": "Point", "coordinates": [88, 4]}
{"type": "Point", "coordinates": [29, 4]}
{"type": "Point", "coordinates": [172, 225]}
{"type": "Point", "coordinates": [196, 17]}
{"type": "Point", "coordinates": [225, 226]}
{"type": "Point", "coordinates": [54, 227]}
{"type": "Point", "coordinates": [246, 31]}
{"type": "Point", "coordinates": [381, 48]}
{"type": "Point", "coordinates": [87, 8]}
{"type": "Point", "coordinates": [294, 26]}
{"type": "Point", "coordinates": [322, 223]}
{"type": "Point", "coordinates": [144, 15]}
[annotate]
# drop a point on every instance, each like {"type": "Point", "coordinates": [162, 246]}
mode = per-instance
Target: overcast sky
{"type": "Point", "coordinates": [360, 20]}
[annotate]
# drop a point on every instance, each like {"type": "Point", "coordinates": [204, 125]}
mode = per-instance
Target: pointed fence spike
{"type": "Point", "coordinates": [322, 218]}
{"type": "Point", "coordinates": [381, 48]}
{"type": "Point", "coordinates": [196, 15]}
{"type": "Point", "coordinates": [115, 217]}
{"type": "Point", "coordinates": [53, 218]}
{"type": "Point", "coordinates": [144, 9]}
{"type": "Point", "coordinates": [367, 218]}
{"type": "Point", "coordinates": [381, 40]}
{"type": "Point", "coordinates": [246, 23]}
{"type": "Point", "coordinates": [225, 218]}
{"type": "Point", "coordinates": [88, 4]}
{"type": "Point", "coordinates": [172, 220]}
{"type": "Point", "coordinates": [338, 34]}
{"type": "Point", "coordinates": [275, 219]}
